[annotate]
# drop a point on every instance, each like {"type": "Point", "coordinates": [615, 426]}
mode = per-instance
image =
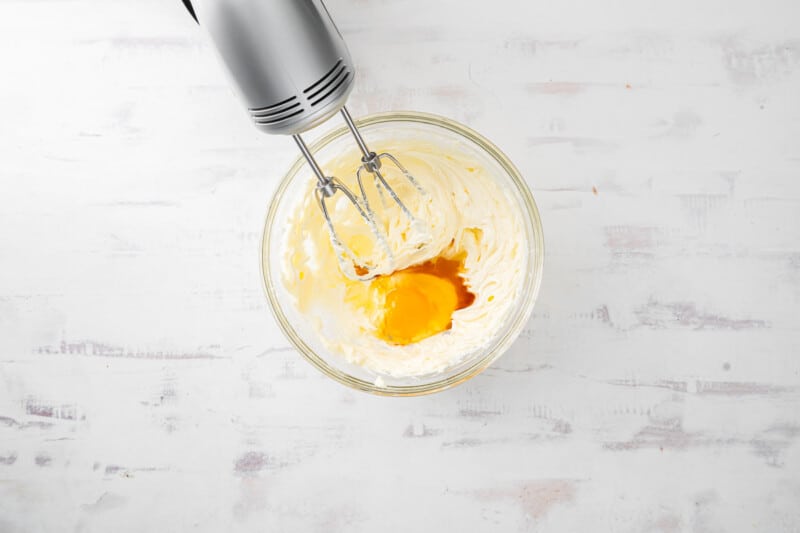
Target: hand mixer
{"type": "Point", "coordinates": [294, 72]}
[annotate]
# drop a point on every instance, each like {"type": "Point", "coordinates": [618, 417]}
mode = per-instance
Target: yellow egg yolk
{"type": "Point", "coordinates": [419, 301]}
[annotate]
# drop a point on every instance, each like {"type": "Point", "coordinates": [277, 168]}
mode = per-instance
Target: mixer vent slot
{"type": "Point", "coordinates": [323, 78]}
{"type": "Point", "coordinates": [277, 112]}
{"type": "Point", "coordinates": [328, 84]}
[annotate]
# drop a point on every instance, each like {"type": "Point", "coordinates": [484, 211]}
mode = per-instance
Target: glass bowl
{"type": "Point", "coordinates": [306, 339]}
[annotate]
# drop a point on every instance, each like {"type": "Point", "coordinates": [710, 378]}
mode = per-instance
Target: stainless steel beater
{"type": "Point", "coordinates": [293, 71]}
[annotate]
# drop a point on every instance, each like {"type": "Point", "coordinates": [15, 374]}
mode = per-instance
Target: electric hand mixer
{"type": "Point", "coordinates": [294, 72]}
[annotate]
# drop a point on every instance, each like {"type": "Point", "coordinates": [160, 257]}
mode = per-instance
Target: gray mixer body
{"type": "Point", "coordinates": [287, 59]}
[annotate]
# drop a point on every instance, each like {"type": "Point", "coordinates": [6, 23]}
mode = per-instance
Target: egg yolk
{"type": "Point", "coordinates": [419, 301]}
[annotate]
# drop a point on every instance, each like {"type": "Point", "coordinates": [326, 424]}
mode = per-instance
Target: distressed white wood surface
{"type": "Point", "coordinates": [145, 387]}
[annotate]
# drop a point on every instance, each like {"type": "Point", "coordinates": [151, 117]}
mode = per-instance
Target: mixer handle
{"type": "Point", "coordinates": [190, 7]}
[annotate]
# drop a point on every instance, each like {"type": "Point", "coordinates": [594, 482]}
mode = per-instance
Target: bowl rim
{"type": "Point", "coordinates": [519, 319]}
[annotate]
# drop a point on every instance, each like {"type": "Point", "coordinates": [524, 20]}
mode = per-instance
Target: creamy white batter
{"type": "Point", "coordinates": [469, 214]}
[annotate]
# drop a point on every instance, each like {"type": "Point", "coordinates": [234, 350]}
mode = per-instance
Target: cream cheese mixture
{"type": "Point", "coordinates": [433, 306]}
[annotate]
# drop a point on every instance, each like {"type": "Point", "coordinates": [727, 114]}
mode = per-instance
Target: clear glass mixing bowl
{"type": "Point", "coordinates": [295, 183]}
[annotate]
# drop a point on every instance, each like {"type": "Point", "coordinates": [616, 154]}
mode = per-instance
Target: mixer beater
{"type": "Point", "coordinates": [294, 72]}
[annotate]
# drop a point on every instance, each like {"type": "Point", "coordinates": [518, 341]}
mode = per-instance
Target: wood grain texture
{"type": "Point", "coordinates": [145, 387]}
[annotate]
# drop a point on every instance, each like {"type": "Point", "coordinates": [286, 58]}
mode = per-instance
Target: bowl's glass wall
{"type": "Point", "coordinates": [380, 130]}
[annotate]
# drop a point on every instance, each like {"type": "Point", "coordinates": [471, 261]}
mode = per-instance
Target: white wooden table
{"type": "Point", "coordinates": [145, 387]}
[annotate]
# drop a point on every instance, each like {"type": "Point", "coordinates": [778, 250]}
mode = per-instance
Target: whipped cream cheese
{"type": "Point", "coordinates": [470, 216]}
